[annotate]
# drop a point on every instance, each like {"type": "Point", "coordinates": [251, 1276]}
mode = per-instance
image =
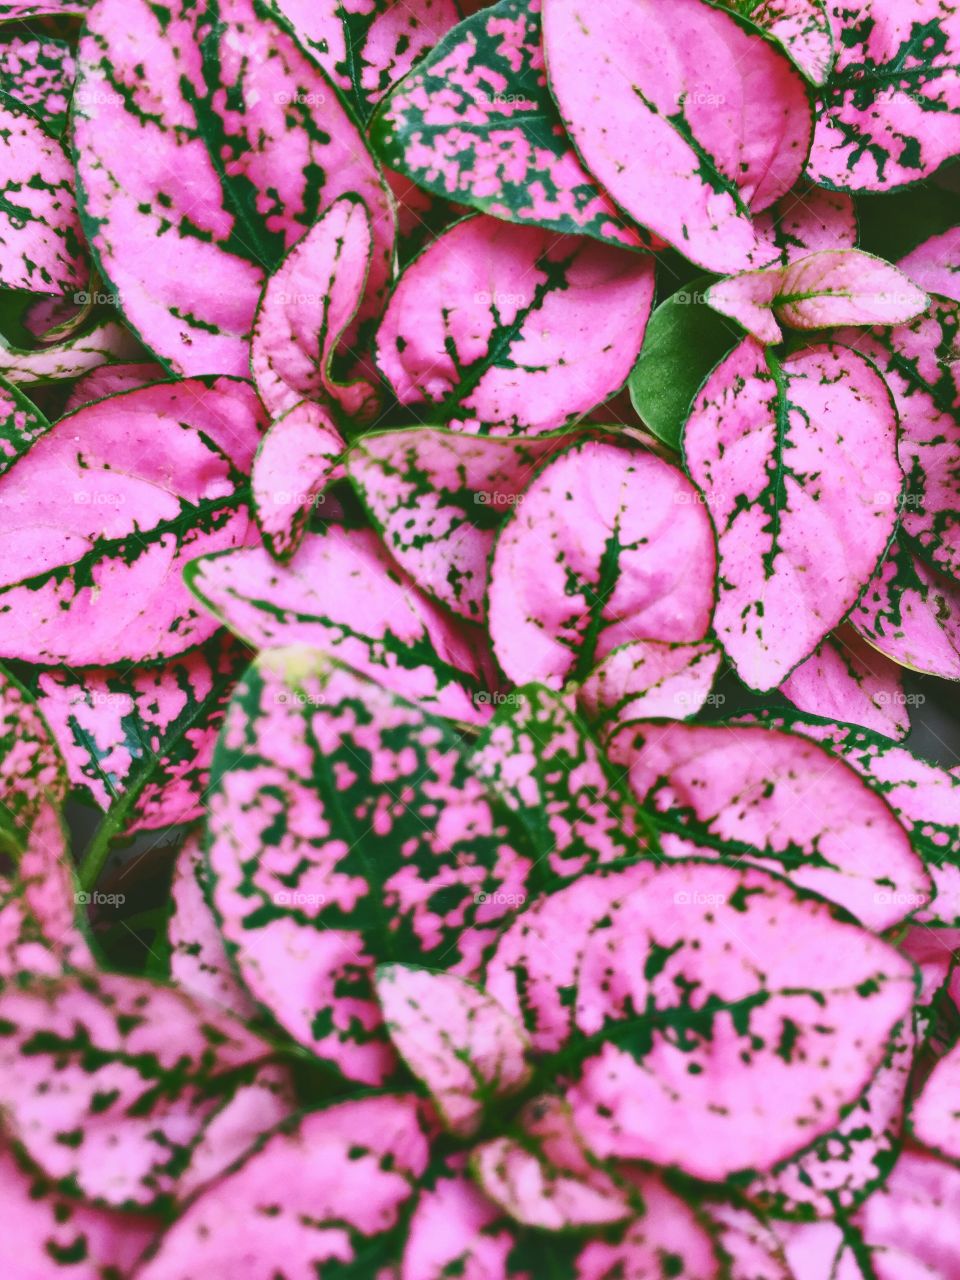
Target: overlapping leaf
{"type": "Point", "coordinates": [296, 460]}
{"type": "Point", "coordinates": [38, 73]}
{"type": "Point", "coordinates": [801, 26]}
{"type": "Point", "coordinates": [647, 679]}
{"type": "Point", "coordinates": [31, 768]}
{"type": "Point", "coordinates": [106, 343]}
{"type": "Point", "coordinates": [935, 264]}
{"type": "Point", "coordinates": [911, 613]}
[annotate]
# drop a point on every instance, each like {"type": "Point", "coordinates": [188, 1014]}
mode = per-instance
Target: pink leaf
{"type": "Point", "coordinates": [608, 546]}
{"type": "Point", "coordinates": [100, 517]}
{"type": "Point", "coordinates": [797, 459]}
{"type": "Point", "coordinates": [647, 679]}
{"type": "Point", "coordinates": [935, 264]}
{"type": "Point", "coordinates": [456, 1039]}
{"type": "Point", "coordinates": [749, 300]}
{"type": "Point", "coordinates": [686, 118]}
{"type": "Point", "coordinates": [846, 286]}
{"type": "Point", "coordinates": [456, 1231]}
{"type": "Point", "coordinates": [935, 1117]}
{"type": "Point", "coordinates": [916, 1216]}
{"type": "Point", "coordinates": [911, 613]}
{"type": "Point", "coordinates": [31, 768]}
{"type": "Point", "coordinates": [110, 380]}
{"type": "Point", "coordinates": [803, 221]}
{"type": "Point", "coordinates": [754, 1251]}
{"type": "Point", "coordinates": [801, 26]}
{"type": "Point", "coordinates": [107, 343]}
{"type": "Point", "coordinates": [38, 72]}
{"type": "Point", "coordinates": [502, 328]}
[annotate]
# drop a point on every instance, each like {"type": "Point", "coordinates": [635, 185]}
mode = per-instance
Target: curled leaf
{"type": "Point", "coordinates": [847, 679]}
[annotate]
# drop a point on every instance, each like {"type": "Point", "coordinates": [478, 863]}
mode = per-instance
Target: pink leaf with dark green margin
{"type": "Point", "coordinates": [801, 26]}
{"type": "Point", "coordinates": [101, 515]}
{"type": "Point", "coordinates": [499, 328]}
{"type": "Point", "coordinates": [689, 120]}
{"type": "Point", "coordinates": [915, 1217]}
{"type": "Point", "coordinates": [38, 72]}
{"type": "Point", "coordinates": [308, 305]}
{"type": "Point", "coordinates": [541, 762]}
{"type": "Point", "coordinates": [544, 1178]}
{"type": "Point", "coordinates": [19, 9]}
{"type": "Point", "coordinates": [31, 767]}
{"type": "Point", "coordinates": [797, 459]}
{"type": "Point", "coordinates": [935, 1114]}
{"type": "Point", "coordinates": [333, 1190]}
{"type": "Point", "coordinates": [342, 594]}
{"type": "Point", "coordinates": [842, 1168]}
{"type": "Point", "coordinates": [630, 979]}
{"type": "Point", "coordinates": [455, 1039]}
{"type": "Point", "coordinates": [647, 679]}
{"type": "Point", "coordinates": [394, 853]}
{"type": "Point", "coordinates": [365, 48]}
{"type": "Point", "coordinates": [40, 240]}
{"type": "Point", "coordinates": [198, 958]}
{"type": "Point", "coordinates": [96, 1065]}
{"type": "Point", "coordinates": [911, 614]}
{"type": "Point", "coordinates": [476, 123]}
{"type": "Point", "coordinates": [456, 1231]}
{"type": "Point", "coordinates": [608, 546]}
{"type": "Point", "coordinates": [803, 221]}
{"type": "Point", "coordinates": [778, 801]}
{"type": "Point", "coordinates": [754, 1250]}
{"type": "Point", "coordinates": [890, 114]}
{"type": "Point", "coordinates": [110, 380]}
{"type": "Point", "coordinates": [749, 299]}
{"type": "Point", "coordinates": [148, 728]}
{"type": "Point", "coordinates": [438, 498]}
{"type": "Point", "coordinates": [296, 460]}
{"type": "Point", "coordinates": [46, 1234]}
{"type": "Point", "coordinates": [846, 286]}
{"type": "Point", "coordinates": [935, 264]}
{"type": "Point", "coordinates": [846, 679]}
{"type": "Point", "coordinates": [106, 343]}
{"type": "Point", "coordinates": [241, 145]}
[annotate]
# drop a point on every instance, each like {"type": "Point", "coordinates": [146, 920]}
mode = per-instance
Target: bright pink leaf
{"type": "Point", "coordinates": [110, 380]}
{"type": "Point", "coordinates": [38, 72]}
{"type": "Point", "coordinates": [911, 613]}
{"type": "Point", "coordinates": [456, 1231]}
{"type": "Point", "coordinates": [935, 1117]}
{"type": "Point", "coordinates": [935, 264]}
{"type": "Point", "coordinates": [846, 286]}
{"type": "Point", "coordinates": [608, 546]}
{"type": "Point", "coordinates": [803, 221]}
{"type": "Point", "coordinates": [31, 768]}
{"type": "Point", "coordinates": [801, 26]}
{"type": "Point", "coordinates": [647, 679]}
{"type": "Point", "coordinates": [749, 299]}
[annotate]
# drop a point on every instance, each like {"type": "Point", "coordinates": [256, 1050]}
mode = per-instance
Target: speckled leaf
{"type": "Point", "coordinates": [198, 959]}
{"type": "Point", "coordinates": [775, 800]}
{"type": "Point", "coordinates": [31, 768]}
{"type": "Point", "coordinates": [682, 1045]}
{"type": "Point", "coordinates": [647, 679]}
{"type": "Point", "coordinates": [514, 329]}
{"type": "Point", "coordinates": [19, 9]}
{"type": "Point", "coordinates": [40, 241]}
{"type": "Point", "coordinates": [367, 47]}
{"type": "Point", "coordinates": [911, 1224]}
{"type": "Point", "coordinates": [846, 286]}
{"type": "Point", "coordinates": [935, 264]}
{"type": "Point", "coordinates": [438, 498]}
{"type": "Point", "coordinates": [797, 459]}
{"type": "Point", "coordinates": [686, 117]}
{"type": "Point", "coordinates": [100, 516]}
{"type": "Point", "coordinates": [608, 546]}
{"type": "Point", "coordinates": [935, 1115]}
{"type": "Point", "coordinates": [753, 1250]}
{"type": "Point", "coordinates": [296, 460]}
{"type": "Point", "coordinates": [749, 299]}
{"type": "Point", "coordinates": [890, 113]}
{"type": "Point", "coordinates": [801, 26]}
{"type": "Point", "coordinates": [847, 679]}
{"type": "Point", "coordinates": [456, 1230]}
{"type": "Point", "coordinates": [106, 343]}
{"type": "Point", "coordinates": [110, 380]}
{"type": "Point", "coordinates": [97, 1066]}
{"type": "Point", "coordinates": [308, 305]}
{"type": "Point", "coordinates": [456, 1039]}
{"type": "Point", "coordinates": [476, 123]}
{"type": "Point", "coordinates": [804, 221]}
{"type": "Point", "coordinates": [391, 852]}
{"type": "Point", "coordinates": [341, 593]}
{"type": "Point", "coordinates": [147, 728]}
{"type": "Point", "coordinates": [241, 145]}
{"type": "Point", "coordinates": [38, 71]}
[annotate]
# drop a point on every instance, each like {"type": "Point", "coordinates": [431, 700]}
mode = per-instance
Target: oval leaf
{"type": "Point", "coordinates": [845, 286]}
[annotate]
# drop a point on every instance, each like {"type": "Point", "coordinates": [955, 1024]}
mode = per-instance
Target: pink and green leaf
{"type": "Point", "coordinates": [935, 1114]}
{"type": "Point", "coordinates": [801, 26]}
{"type": "Point", "coordinates": [934, 264]}
{"type": "Point", "coordinates": [38, 72]}
{"type": "Point", "coordinates": [110, 380]}
{"type": "Point", "coordinates": [805, 220]}
{"type": "Point", "coordinates": [106, 343]}
{"type": "Point", "coordinates": [647, 679]}
{"type": "Point", "coordinates": [32, 769]}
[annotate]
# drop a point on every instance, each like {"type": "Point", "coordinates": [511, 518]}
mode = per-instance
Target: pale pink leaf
{"type": "Point", "coordinates": [935, 1116]}
{"type": "Point", "coordinates": [911, 613]}
{"type": "Point", "coordinates": [647, 679]}
{"type": "Point", "coordinates": [32, 769]}
{"type": "Point", "coordinates": [754, 1250]}
{"type": "Point", "coordinates": [457, 1231]}
{"type": "Point", "coordinates": [916, 1216]}
{"type": "Point", "coordinates": [109, 380]}
{"type": "Point", "coordinates": [749, 299]}
{"type": "Point", "coordinates": [846, 286]}
{"type": "Point", "coordinates": [106, 343]}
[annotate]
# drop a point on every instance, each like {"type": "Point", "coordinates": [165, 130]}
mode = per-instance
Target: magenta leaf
{"type": "Point", "coordinates": [133, 1066]}
{"type": "Point", "coordinates": [499, 328]}
{"type": "Point", "coordinates": [40, 244]}
{"type": "Point", "coordinates": [342, 594]}
{"type": "Point", "coordinates": [755, 1252]}
{"type": "Point", "coordinates": [476, 123]}
{"type": "Point", "coordinates": [935, 264]}
{"type": "Point", "coordinates": [106, 343]}
{"type": "Point", "coordinates": [438, 498]}
{"type": "Point", "coordinates": [241, 144]}
{"type": "Point", "coordinates": [307, 308]}
{"type": "Point", "coordinates": [607, 546]}
{"type": "Point", "coordinates": [31, 767]}
{"type": "Point", "coordinates": [778, 801]}
{"type": "Point", "coordinates": [801, 26]}
{"type": "Point", "coordinates": [456, 1230]}
{"type": "Point", "coordinates": [627, 980]}
{"type": "Point", "coordinates": [685, 117]}
{"type": "Point", "coordinates": [110, 380]}
{"type": "Point", "coordinates": [935, 1116]}
{"type": "Point", "coordinates": [38, 72]}
{"type": "Point", "coordinates": [797, 460]}
{"type": "Point", "coordinates": [346, 830]}
{"type": "Point", "coordinates": [646, 679]}
{"type": "Point", "coordinates": [97, 532]}
{"type": "Point", "coordinates": [455, 1039]}
{"type": "Point", "coordinates": [890, 113]}
{"type": "Point", "coordinates": [749, 299]}
{"type": "Point", "coordinates": [296, 460]}
{"type": "Point", "coordinates": [804, 221]}
{"type": "Point", "coordinates": [910, 1225]}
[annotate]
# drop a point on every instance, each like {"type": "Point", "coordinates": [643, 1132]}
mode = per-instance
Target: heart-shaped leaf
{"type": "Point", "coordinates": [100, 516]}
{"type": "Point", "coordinates": [797, 459]}
{"type": "Point", "coordinates": [476, 123]}
{"type": "Point", "coordinates": [801, 26]}
{"type": "Point", "coordinates": [307, 307]}
{"type": "Point", "coordinates": [683, 1047]}
{"type": "Point", "coordinates": [684, 116]}
{"type": "Point", "coordinates": [514, 329]}
{"type": "Point", "coordinates": [341, 593]}
{"type": "Point", "coordinates": [778, 801]}
{"type": "Point", "coordinates": [345, 829]}
{"type": "Point", "coordinates": [297, 459]}
{"type": "Point", "coordinates": [647, 679]}
{"type": "Point", "coordinates": [38, 72]}
{"type": "Point", "coordinates": [935, 264]}
{"type": "Point", "coordinates": [608, 546]}
{"type": "Point", "coordinates": [456, 1039]}
{"type": "Point", "coordinates": [890, 113]}
{"type": "Point", "coordinates": [241, 143]}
